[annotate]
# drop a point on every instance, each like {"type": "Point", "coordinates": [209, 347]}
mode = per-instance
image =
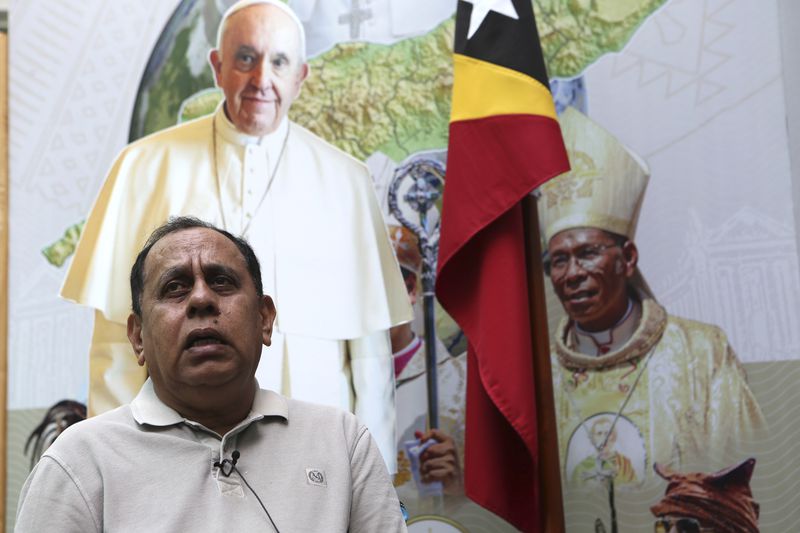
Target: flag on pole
{"type": "Point", "coordinates": [504, 142]}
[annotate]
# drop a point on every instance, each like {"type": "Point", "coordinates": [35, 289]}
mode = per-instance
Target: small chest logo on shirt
{"type": "Point", "coordinates": [316, 477]}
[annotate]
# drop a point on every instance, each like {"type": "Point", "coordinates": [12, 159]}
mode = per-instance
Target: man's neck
{"type": "Point", "coordinates": [401, 336]}
{"type": "Point", "coordinates": [403, 356]}
{"type": "Point", "coordinates": [203, 405]}
{"type": "Point", "coordinates": [611, 339]}
{"type": "Point", "coordinates": [252, 136]}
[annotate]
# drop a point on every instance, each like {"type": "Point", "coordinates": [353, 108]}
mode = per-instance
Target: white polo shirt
{"type": "Point", "coordinates": [143, 467]}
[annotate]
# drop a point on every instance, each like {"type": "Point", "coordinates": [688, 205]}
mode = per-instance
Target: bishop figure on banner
{"type": "Point", "coordinates": [668, 389]}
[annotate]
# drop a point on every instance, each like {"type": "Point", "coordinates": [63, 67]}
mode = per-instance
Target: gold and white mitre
{"type": "Point", "coordinates": [604, 188]}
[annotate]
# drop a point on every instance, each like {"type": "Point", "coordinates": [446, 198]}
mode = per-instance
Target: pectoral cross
{"type": "Point", "coordinates": [355, 17]}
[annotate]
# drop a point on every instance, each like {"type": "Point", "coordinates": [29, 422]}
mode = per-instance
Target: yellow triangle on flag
{"type": "Point", "coordinates": [482, 89]}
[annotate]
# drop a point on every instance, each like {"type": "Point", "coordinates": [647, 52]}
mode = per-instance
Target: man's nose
{"type": "Point", "coordinates": [261, 76]}
{"type": "Point", "coordinates": [202, 300]}
{"type": "Point", "coordinates": [574, 270]}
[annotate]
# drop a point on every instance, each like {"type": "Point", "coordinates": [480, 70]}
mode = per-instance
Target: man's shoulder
{"type": "Point", "coordinates": [704, 347]}
{"type": "Point", "coordinates": [187, 133]}
{"type": "Point", "coordinates": [321, 418]}
{"type": "Point", "coordinates": [322, 147]}
{"type": "Point", "coordinates": [311, 410]}
{"type": "Point", "coordinates": [82, 437]}
{"type": "Point", "coordinates": [696, 329]}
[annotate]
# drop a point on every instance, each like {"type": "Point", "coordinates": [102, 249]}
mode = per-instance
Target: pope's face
{"type": "Point", "coordinates": [202, 321]}
{"type": "Point", "coordinates": [259, 68]}
{"type": "Point", "coordinates": [590, 274]}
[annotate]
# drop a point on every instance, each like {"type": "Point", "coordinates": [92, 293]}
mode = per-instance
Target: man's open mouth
{"type": "Point", "coordinates": [581, 296]}
{"type": "Point", "coordinates": [205, 341]}
{"type": "Point", "coordinates": [204, 337]}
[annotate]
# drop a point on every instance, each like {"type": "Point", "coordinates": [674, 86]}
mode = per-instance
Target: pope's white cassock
{"type": "Point", "coordinates": [310, 213]}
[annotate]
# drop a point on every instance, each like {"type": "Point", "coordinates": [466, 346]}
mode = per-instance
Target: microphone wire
{"type": "Point", "coordinates": [271, 521]}
{"type": "Point", "coordinates": [232, 462]}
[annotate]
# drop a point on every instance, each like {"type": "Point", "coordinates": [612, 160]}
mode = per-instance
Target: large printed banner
{"type": "Point", "coordinates": [688, 92]}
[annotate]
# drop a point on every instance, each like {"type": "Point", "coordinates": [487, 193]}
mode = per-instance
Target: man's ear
{"type": "Point", "coordinates": [135, 336]}
{"type": "Point", "coordinates": [304, 70]}
{"type": "Point", "coordinates": [412, 289]}
{"type": "Point", "coordinates": [267, 319]}
{"type": "Point", "coordinates": [302, 75]}
{"type": "Point", "coordinates": [215, 60]}
{"type": "Point", "coordinates": [630, 257]}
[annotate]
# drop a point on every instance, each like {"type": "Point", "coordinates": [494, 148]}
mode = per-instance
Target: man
{"type": "Point", "coordinates": [677, 383]}
{"type": "Point", "coordinates": [697, 502]}
{"type": "Point", "coordinates": [605, 461]}
{"type": "Point", "coordinates": [202, 447]}
{"type": "Point", "coordinates": [308, 209]}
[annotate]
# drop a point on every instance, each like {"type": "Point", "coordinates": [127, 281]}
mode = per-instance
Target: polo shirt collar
{"type": "Point", "coordinates": [148, 409]}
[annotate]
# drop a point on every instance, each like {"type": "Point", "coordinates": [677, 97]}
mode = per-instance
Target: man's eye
{"type": "Point", "coordinates": [221, 281]}
{"type": "Point", "coordinates": [280, 62]}
{"type": "Point", "coordinates": [245, 61]}
{"type": "Point", "coordinates": [558, 261]}
{"type": "Point", "coordinates": [174, 287]}
{"type": "Point", "coordinates": [589, 253]}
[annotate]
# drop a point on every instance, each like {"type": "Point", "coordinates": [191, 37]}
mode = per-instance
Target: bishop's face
{"type": "Point", "coordinates": [590, 273]}
{"type": "Point", "coordinates": [259, 67]}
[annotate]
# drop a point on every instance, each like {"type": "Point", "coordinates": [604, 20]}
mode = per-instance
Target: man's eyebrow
{"type": "Point", "coordinates": [171, 273]}
{"type": "Point", "coordinates": [212, 269]}
{"type": "Point", "coordinates": [245, 48]}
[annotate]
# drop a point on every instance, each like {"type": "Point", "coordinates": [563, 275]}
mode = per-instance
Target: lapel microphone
{"type": "Point", "coordinates": [228, 467]}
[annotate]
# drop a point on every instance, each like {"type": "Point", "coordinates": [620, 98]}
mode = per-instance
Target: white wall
{"type": "Point", "coordinates": [790, 50]}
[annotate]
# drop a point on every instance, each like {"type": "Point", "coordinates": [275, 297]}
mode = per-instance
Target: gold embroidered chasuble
{"type": "Point", "coordinates": [691, 403]}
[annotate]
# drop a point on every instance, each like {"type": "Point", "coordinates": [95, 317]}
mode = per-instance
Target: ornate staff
{"type": "Point", "coordinates": [428, 180]}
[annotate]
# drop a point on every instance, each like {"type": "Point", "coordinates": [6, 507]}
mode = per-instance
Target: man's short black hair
{"type": "Point", "coordinates": [173, 225]}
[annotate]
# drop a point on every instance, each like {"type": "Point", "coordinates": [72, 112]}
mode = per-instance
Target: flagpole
{"type": "Point", "coordinates": [551, 503]}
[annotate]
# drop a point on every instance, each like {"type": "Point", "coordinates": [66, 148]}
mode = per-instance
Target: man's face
{"type": "Point", "coordinates": [202, 321]}
{"type": "Point", "coordinates": [680, 524]}
{"type": "Point", "coordinates": [590, 274]}
{"type": "Point", "coordinates": [259, 68]}
{"type": "Point", "coordinates": [600, 431]}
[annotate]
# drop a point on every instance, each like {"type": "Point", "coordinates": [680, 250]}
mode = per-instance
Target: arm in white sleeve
{"type": "Point", "coordinates": [373, 382]}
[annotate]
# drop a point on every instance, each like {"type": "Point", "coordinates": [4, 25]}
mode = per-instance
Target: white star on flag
{"type": "Point", "coordinates": [481, 8]}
